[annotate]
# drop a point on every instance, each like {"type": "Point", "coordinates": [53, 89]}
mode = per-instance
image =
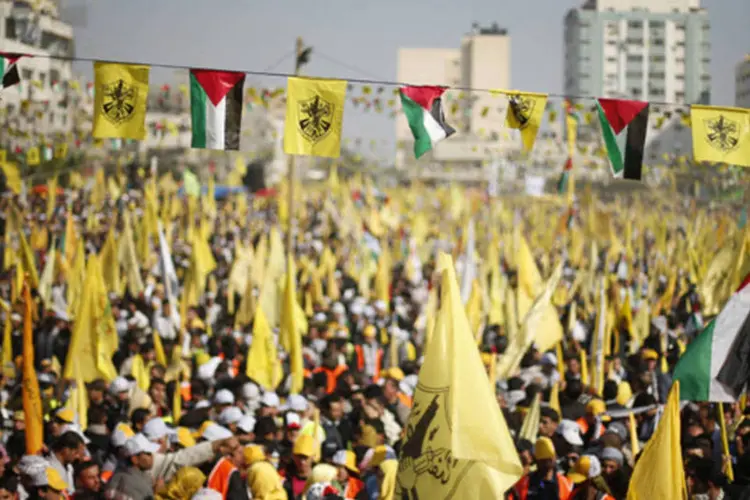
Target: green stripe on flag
{"type": "Point", "coordinates": [610, 141]}
{"type": "Point", "coordinates": [198, 100]}
{"type": "Point", "coordinates": [415, 117]}
{"type": "Point", "coordinates": [693, 370]}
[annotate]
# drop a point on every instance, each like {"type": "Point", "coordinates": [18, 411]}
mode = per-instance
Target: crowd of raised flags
{"type": "Point", "coordinates": [412, 342]}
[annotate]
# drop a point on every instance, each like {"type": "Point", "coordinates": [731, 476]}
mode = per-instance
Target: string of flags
{"type": "Point", "coordinates": [315, 110]}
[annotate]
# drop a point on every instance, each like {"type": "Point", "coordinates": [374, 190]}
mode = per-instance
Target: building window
{"type": "Point", "coordinates": [635, 24]}
{"type": "Point", "coordinates": [680, 96]}
{"type": "Point", "coordinates": [706, 77]}
{"type": "Point", "coordinates": [635, 91]}
{"type": "Point", "coordinates": [634, 75]}
{"type": "Point", "coordinates": [26, 74]}
{"type": "Point", "coordinates": [656, 76]}
{"type": "Point", "coordinates": [635, 58]}
{"type": "Point", "coordinates": [657, 59]}
{"type": "Point", "coordinates": [636, 42]}
{"type": "Point", "coordinates": [43, 79]}
{"type": "Point", "coordinates": [656, 24]}
{"type": "Point", "coordinates": [657, 42]}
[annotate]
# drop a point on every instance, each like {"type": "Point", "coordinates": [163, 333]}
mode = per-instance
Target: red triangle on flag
{"type": "Point", "coordinates": [620, 112]}
{"type": "Point", "coordinates": [423, 95]}
{"type": "Point", "coordinates": [745, 282]}
{"type": "Point", "coordinates": [217, 84]}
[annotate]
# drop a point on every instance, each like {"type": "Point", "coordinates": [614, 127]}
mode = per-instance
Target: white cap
{"type": "Point", "coordinates": [202, 404]}
{"type": "Point", "coordinates": [207, 494]}
{"type": "Point", "coordinates": [293, 420]}
{"type": "Point", "coordinates": [250, 391]}
{"type": "Point", "coordinates": [549, 359]}
{"type": "Point", "coordinates": [230, 415]}
{"type": "Point", "coordinates": [356, 308]}
{"type": "Point", "coordinates": [338, 308]}
{"type": "Point", "coordinates": [270, 399]}
{"type": "Point", "coordinates": [317, 318]}
{"type": "Point", "coordinates": [296, 402]}
{"type": "Point", "coordinates": [139, 444]}
{"type": "Point", "coordinates": [339, 458]}
{"type": "Point", "coordinates": [570, 430]}
{"type": "Point", "coordinates": [246, 424]}
{"type": "Point", "coordinates": [157, 429]}
{"type": "Point", "coordinates": [207, 370]}
{"type": "Point", "coordinates": [224, 397]}
{"type": "Point", "coordinates": [214, 432]}
{"type": "Point", "coordinates": [380, 305]}
{"type": "Point", "coordinates": [119, 385]}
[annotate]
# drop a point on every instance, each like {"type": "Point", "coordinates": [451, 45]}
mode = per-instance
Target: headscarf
{"type": "Point", "coordinates": [265, 482]}
{"type": "Point", "coordinates": [185, 483]}
{"type": "Point", "coordinates": [389, 468]}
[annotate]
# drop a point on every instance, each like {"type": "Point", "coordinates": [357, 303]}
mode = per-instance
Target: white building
{"type": "Point", "coordinates": [654, 50]}
{"type": "Point", "coordinates": [481, 62]}
{"type": "Point", "coordinates": [41, 104]}
{"type": "Point", "coordinates": [742, 83]}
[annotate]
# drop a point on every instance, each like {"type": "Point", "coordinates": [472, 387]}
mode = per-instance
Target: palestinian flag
{"type": "Point", "coordinates": [716, 365]}
{"type": "Point", "coordinates": [216, 108]}
{"type": "Point", "coordinates": [562, 184]}
{"type": "Point", "coordinates": [9, 69]}
{"type": "Point", "coordinates": [424, 112]}
{"type": "Point", "coordinates": [624, 125]}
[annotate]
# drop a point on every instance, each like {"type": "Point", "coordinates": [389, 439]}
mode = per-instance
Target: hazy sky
{"type": "Point", "coordinates": [359, 39]}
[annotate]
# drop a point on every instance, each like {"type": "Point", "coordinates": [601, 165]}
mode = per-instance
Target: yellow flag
{"type": "Point", "coordinates": [457, 443]}
{"type": "Point", "coordinates": [32, 156]}
{"type": "Point", "coordinates": [262, 358]}
{"type": "Point", "coordinates": [314, 117]}
{"type": "Point", "coordinates": [721, 135]}
{"type": "Point", "coordinates": [660, 473]}
{"type": "Point", "coordinates": [525, 113]}
{"type": "Point", "coordinates": [61, 151]}
{"type": "Point", "coordinates": [530, 427]}
{"type": "Point", "coordinates": [12, 176]}
{"type": "Point", "coordinates": [289, 331]}
{"type": "Point", "coordinates": [32, 400]}
{"type": "Point", "coordinates": [120, 97]}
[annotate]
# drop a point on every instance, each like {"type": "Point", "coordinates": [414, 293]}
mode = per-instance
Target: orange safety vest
{"type": "Point", "coordinates": [405, 399]}
{"type": "Point", "coordinates": [353, 487]}
{"type": "Point", "coordinates": [584, 425]}
{"type": "Point", "coordinates": [332, 376]}
{"type": "Point", "coordinates": [361, 361]}
{"type": "Point", "coordinates": [107, 475]}
{"type": "Point", "coordinates": [564, 487]}
{"type": "Point", "coordinates": [599, 495]}
{"type": "Point", "coordinates": [218, 480]}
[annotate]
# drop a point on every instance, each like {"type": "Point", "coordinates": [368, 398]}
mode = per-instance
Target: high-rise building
{"type": "Point", "coordinates": [742, 83]}
{"type": "Point", "coordinates": [481, 62]}
{"type": "Point", "coordinates": [653, 50]}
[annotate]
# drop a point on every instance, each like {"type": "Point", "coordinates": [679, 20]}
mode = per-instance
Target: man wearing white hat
{"type": "Point", "coordinates": [135, 481]}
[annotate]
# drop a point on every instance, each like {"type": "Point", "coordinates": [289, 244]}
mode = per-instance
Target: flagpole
{"type": "Point", "coordinates": [298, 48]}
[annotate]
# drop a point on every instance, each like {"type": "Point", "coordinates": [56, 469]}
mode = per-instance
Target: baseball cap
{"type": "Point", "coordinates": [139, 444]}
{"type": "Point", "coordinates": [216, 432]}
{"type": "Point", "coordinates": [270, 399]}
{"type": "Point", "coordinates": [347, 459]}
{"type": "Point", "coordinates": [157, 429]}
{"type": "Point", "coordinates": [587, 467]}
{"type": "Point", "coordinates": [224, 397]}
{"type": "Point", "coordinates": [544, 449]}
{"type": "Point", "coordinates": [230, 415]}
{"type": "Point", "coordinates": [51, 479]}
{"type": "Point", "coordinates": [293, 421]}
{"type": "Point", "coordinates": [296, 402]}
{"type": "Point", "coordinates": [571, 432]}
{"type": "Point", "coordinates": [246, 424]}
{"type": "Point", "coordinates": [119, 385]}
{"type": "Point", "coordinates": [121, 434]}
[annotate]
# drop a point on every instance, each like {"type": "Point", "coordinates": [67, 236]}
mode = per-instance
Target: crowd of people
{"type": "Point", "coordinates": [184, 417]}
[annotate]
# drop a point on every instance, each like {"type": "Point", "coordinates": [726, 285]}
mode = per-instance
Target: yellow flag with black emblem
{"type": "Point", "coordinates": [120, 94]}
{"type": "Point", "coordinates": [314, 117]}
{"type": "Point", "coordinates": [457, 443]}
{"type": "Point", "coordinates": [721, 135]}
{"type": "Point", "coordinates": [61, 151]}
{"type": "Point", "coordinates": [32, 157]}
{"type": "Point", "coordinates": [525, 113]}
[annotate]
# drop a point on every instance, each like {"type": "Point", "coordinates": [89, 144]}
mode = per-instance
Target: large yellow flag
{"type": "Point", "coordinates": [262, 358]}
{"type": "Point", "coordinates": [721, 135]}
{"type": "Point", "coordinates": [659, 473]}
{"type": "Point", "coordinates": [32, 400]}
{"type": "Point", "coordinates": [314, 117]}
{"type": "Point", "coordinates": [289, 333]}
{"type": "Point", "coordinates": [120, 95]}
{"type": "Point", "coordinates": [525, 113]}
{"type": "Point", "coordinates": [457, 443]}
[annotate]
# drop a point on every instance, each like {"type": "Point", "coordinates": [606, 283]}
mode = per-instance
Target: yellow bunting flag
{"type": "Point", "coordinates": [12, 177]}
{"type": "Point", "coordinates": [721, 135]}
{"type": "Point", "coordinates": [32, 399]}
{"type": "Point", "coordinates": [525, 113]}
{"type": "Point", "coordinates": [32, 157]}
{"type": "Point", "coordinates": [3, 156]}
{"type": "Point", "coordinates": [120, 101]}
{"type": "Point", "coordinates": [314, 117]}
{"type": "Point", "coordinates": [61, 151]}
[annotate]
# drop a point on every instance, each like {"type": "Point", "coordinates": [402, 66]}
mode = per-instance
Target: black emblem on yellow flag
{"type": "Point", "coordinates": [119, 101]}
{"type": "Point", "coordinates": [315, 118]}
{"type": "Point", "coordinates": [427, 463]}
{"type": "Point", "coordinates": [522, 109]}
{"type": "Point", "coordinates": [722, 133]}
